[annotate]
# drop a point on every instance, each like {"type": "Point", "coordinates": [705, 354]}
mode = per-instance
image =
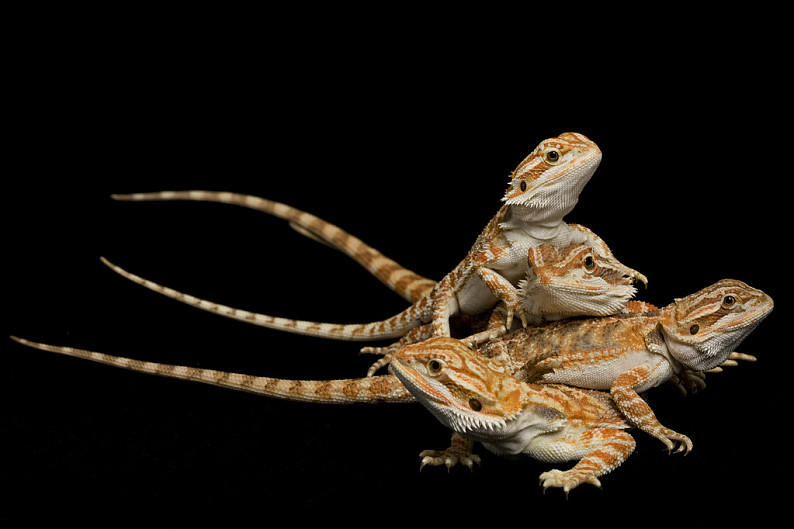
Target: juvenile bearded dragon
{"type": "Point", "coordinates": [630, 353]}
{"type": "Point", "coordinates": [548, 422]}
{"type": "Point", "coordinates": [480, 401]}
{"type": "Point", "coordinates": [545, 187]}
{"type": "Point", "coordinates": [560, 283]}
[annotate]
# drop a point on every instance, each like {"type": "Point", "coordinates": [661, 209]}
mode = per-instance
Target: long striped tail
{"type": "Point", "coordinates": [404, 282]}
{"type": "Point", "coordinates": [385, 388]}
{"type": "Point", "coordinates": [414, 316]}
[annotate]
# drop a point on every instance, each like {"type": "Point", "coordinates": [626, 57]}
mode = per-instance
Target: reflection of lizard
{"type": "Point", "coordinates": [479, 401]}
{"type": "Point", "coordinates": [630, 353]}
{"type": "Point", "coordinates": [544, 188]}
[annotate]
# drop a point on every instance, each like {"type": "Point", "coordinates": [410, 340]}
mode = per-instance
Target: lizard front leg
{"type": "Point", "coordinates": [459, 451]}
{"type": "Point", "coordinates": [637, 410]}
{"type": "Point", "coordinates": [604, 448]}
{"type": "Point", "coordinates": [506, 293]}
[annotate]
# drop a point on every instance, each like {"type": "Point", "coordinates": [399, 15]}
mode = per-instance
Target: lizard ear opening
{"type": "Point", "coordinates": [475, 404]}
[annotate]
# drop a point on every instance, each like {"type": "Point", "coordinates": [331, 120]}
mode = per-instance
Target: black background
{"type": "Point", "coordinates": [411, 152]}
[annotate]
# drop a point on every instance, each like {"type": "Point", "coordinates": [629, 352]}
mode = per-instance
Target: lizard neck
{"type": "Point", "coordinates": [540, 223]}
{"type": "Point", "coordinates": [516, 434]}
{"type": "Point", "coordinates": [536, 225]}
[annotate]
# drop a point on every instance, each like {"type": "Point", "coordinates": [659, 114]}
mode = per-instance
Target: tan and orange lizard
{"type": "Point", "coordinates": [544, 188]}
{"type": "Point", "coordinates": [630, 353]}
{"type": "Point", "coordinates": [479, 401]}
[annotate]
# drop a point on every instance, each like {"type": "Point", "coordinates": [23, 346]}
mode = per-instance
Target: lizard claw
{"type": "Point", "coordinates": [511, 311]}
{"type": "Point", "coordinates": [567, 480]}
{"type": "Point", "coordinates": [668, 436]}
{"type": "Point", "coordinates": [635, 276]}
{"type": "Point", "coordinates": [449, 457]}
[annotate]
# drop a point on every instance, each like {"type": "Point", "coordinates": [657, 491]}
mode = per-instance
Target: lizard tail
{"type": "Point", "coordinates": [394, 327]}
{"type": "Point", "coordinates": [385, 388]}
{"type": "Point", "coordinates": [404, 282]}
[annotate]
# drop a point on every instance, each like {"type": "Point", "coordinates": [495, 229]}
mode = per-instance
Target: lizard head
{"type": "Point", "coordinates": [706, 326]}
{"type": "Point", "coordinates": [554, 174]}
{"type": "Point", "coordinates": [574, 281]}
{"type": "Point", "coordinates": [463, 389]}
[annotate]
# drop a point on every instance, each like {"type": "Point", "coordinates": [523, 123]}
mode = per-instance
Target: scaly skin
{"type": "Point", "coordinates": [630, 353]}
{"type": "Point", "coordinates": [574, 281]}
{"type": "Point", "coordinates": [346, 391]}
{"type": "Point", "coordinates": [544, 188]}
{"type": "Point", "coordinates": [480, 401]}
{"type": "Point", "coordinates": [560, 283]}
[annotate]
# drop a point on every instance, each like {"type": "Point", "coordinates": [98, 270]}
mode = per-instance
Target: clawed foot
{"type": "Point", "coordinates": [670, 437]}
{"type": "Point", "coordinates": [689, 381]}
{"type": "Point", "coordinates": [567, 480]}
{"type": "Point", "coordinates": [635, 276]}
{"type": "Point", "coordinates": [449, 457]}
{"type": "Point", "coordinates": [512, 309]}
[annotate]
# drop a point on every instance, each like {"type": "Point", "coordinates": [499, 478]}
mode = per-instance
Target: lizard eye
{"type": "Point", "coordinates": [553, 156]}
{"type": "Point", "coordinates": [589, 263]}
{"type": "Point", "coordinates": [434, 367]}
{"type": "Point", "coordinates": [728, 302]}
{"type": "Point", "coordinates": [694, 328]}
{"type": "Point", "coordinates": [475, 404]}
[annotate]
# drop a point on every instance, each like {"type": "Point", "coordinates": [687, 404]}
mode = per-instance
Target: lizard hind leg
{"type": "Point", "coordinates": [602, 449]}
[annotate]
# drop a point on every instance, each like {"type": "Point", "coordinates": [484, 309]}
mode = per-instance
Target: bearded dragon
{"type": "Point", "coordinates": [563, 282]}
{"type": "Point", "coordinates": [560, 283]}
{"type": "Point", "coordinates": [476, 398]}
{"type": "Point", "coordinates": [548, 422]}
{"type": "Point", "coordinates": [630, 353]}
{"type": "Point", "coordinates": [544, 188]}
